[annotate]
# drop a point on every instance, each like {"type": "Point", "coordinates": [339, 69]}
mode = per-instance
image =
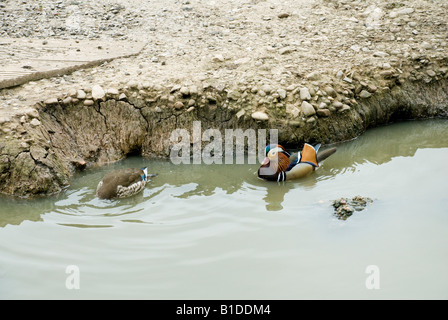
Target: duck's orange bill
{"type": "Point", "coordinates": [309, 155]}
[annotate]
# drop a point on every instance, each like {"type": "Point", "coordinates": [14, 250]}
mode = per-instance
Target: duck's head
{"type": "Point", "coordinates": [275, 164]}
{"type": "Point", "coordinates": [274, 154]}
{"type": "Point", "coordinates": [270, 147]}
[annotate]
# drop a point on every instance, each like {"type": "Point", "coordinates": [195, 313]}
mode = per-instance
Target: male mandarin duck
{"type": "Point", "coordinates": [122, 183]}
{"type": "Point", "coordinates": [279, 165]}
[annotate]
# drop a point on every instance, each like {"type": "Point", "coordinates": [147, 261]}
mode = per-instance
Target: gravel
{"type": "Point", "coordinates": [230, 44]}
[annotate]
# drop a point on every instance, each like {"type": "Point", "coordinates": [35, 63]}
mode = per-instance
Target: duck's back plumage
{"type": "Point", "coordinates": [122, 183]}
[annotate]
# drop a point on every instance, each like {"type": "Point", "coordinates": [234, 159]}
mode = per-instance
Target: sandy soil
{"type": "Point", "coordinates": [230, 44]}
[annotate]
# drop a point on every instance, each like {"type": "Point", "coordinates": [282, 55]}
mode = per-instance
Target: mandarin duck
{"type": "Point", "coordinates": [279, 165]}
{"type": "Point", "coordinates": [122, 183]}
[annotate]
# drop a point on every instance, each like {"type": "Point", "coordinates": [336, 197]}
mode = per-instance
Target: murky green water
{"type": "Point", "coordinates": [218, 232]}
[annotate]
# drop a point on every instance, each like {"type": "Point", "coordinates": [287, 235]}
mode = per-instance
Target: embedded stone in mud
{"type": "Point", "coordinates": [56, 139]}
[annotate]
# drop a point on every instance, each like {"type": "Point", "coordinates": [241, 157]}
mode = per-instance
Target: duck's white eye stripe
{"type": "Point", "coordinates": [276, 149]}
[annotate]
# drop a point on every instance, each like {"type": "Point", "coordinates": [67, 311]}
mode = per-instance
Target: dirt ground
{"type": "Point", "coordinates": [238, 44]}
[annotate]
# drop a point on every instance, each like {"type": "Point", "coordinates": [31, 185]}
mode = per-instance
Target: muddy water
{"type": "Point", "coordinates": [218, 232]}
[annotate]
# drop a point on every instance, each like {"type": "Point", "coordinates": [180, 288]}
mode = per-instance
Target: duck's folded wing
{"type": "Point", "coordinates": [124, 177]}
{"type": "Point", "coordinates": [309, 154]}
{"type": "Point", "coordinates": [131, 176]}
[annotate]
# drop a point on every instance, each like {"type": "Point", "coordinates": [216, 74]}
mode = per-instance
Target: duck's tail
{"type": "Point", "coordinates": [324, 154]}
{"type": "Point", "coordinates": [147, 175]}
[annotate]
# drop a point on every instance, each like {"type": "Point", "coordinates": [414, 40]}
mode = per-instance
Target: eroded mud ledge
{"type": "Point", "coordinates": [42, 147]}
{"type": "Point", "coordinates": [316, 70]}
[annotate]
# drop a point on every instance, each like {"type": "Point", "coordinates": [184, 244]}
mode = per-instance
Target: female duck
{"type": "Point", "coordinates": [279, 165]}
{"type": "Point", "coordinates": [122, 183]}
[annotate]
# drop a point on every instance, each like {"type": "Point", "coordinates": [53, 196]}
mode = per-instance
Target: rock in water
{"type": "Point", "coordinates": [344, 207]}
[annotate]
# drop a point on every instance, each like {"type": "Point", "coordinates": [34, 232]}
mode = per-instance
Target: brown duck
{"type": "Point", "coordinates": [122, 183]}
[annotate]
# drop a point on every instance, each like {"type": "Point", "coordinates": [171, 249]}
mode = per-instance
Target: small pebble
{"type": "Point", "coordinates": [178, 105]}
{"type": "Point", "coordinates": [307, 109]}
{"type": "Point", "coordinates": [259, 115]}
{"type": "Point", "coordinates": [51, 101]}
{"type": "Point", "coordinates": [98, 92]}
{"type": "Point", "coordinates": [81, 95]}
{"type": "Point", "coordinates": [89, 102]}
{"type": "Point", "coordinates": [283, 15]}
{"type": "Point", "coordinates": [365, 94]}
{"type": "Point", "coordinates": [305, 94]}
{"type": "Point", "coordinates": [281, 93]}
{"type": "Point", "coordinates": [34, 122]}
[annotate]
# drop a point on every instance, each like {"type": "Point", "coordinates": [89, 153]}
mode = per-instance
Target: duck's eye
{"type": "Point", "coordinates": [274, 153]}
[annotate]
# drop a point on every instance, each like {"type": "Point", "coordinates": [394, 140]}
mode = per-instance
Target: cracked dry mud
{"type": "Point", "coordinates": [316, 70]}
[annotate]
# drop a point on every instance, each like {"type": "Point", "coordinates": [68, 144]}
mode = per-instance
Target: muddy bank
{"type": "Point", "coordinates": [316, 70]}
{"type": "Point", "coordinates": [41, 148]}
